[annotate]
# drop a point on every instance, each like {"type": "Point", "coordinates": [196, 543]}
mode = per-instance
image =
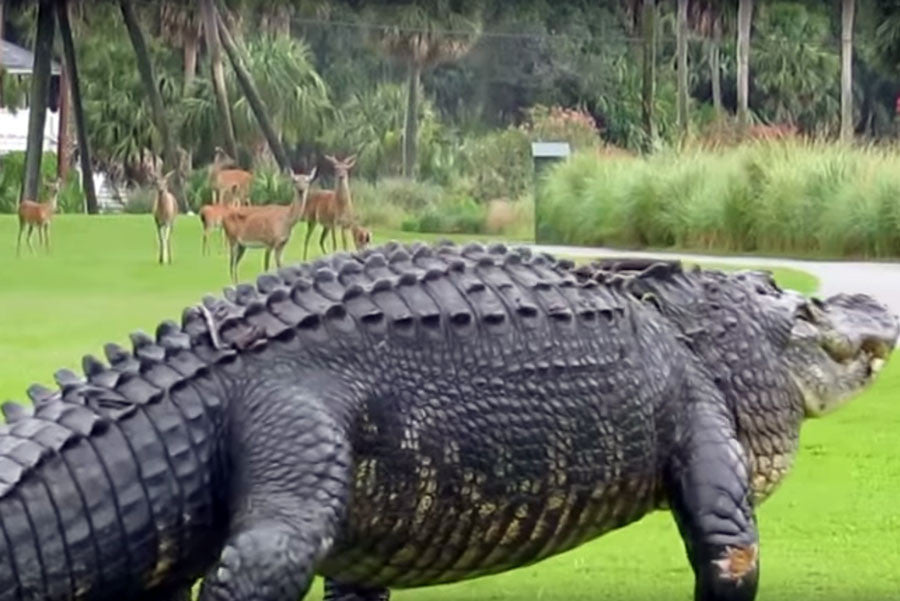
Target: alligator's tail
{"type": "Point", "coordinates": [114, 484]}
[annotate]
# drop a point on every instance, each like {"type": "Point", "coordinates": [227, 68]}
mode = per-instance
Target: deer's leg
{"type": "Point", "coordinates": [47, 237]}
{"type": "Point", "coordinates": [334, 238]}
{"type": "Point", "coordinates": [343, 238]}
{"type": "Point", "coordinates": [28, 237]}
{"type": "Point", "coordinates": [205, 245]}
{"type": "Point", "coordinates": [279, 251]}
{"type": "Point", "coordinates": [238, 253]}
{"type": "Point", "coordinates": [310, 226]}
{"type": "Point", "coordinates": [325, 230]}
{"type": "Point", "coordinates": [169, 241]}
{"type": "Point", "coordinates": [266, 259]}
{"type": "Point", "coordinates": [159, 243]}
{"type": "Point", "coordinates": [19, 240]}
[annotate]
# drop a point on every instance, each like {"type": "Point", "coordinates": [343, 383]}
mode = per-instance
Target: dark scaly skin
{"type": "Point", "coordinates": [408, 416]}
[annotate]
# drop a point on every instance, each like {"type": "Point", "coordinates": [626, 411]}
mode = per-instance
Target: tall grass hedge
{"type": "Point", "coordinates": [790, 197]}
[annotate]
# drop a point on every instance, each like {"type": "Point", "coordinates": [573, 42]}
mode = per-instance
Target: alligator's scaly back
{"type": "Point", "coordinates": [115, 483]}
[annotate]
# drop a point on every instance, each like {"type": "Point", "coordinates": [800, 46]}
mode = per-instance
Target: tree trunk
{"type": "Point", "coordinates": [681, 50]}
{"type": "Point", "coordinates": [84, 151]}
{"type": "Point", "coordinates": [648, 32]}
{"type": "Point", "coordinates": [190, 60]}
{"type": "Point", "coordinates": [40, 87]}
{"type": "Point", "coordinates": [211, 31]}
{"type": "Point", "coordinates": [715, 74]}
{"type": "Point", "coordinates": [745, 16]}
{"type": "Point", "coordinates": [62, 142]}
{"type": "Point", "coordinates": [145, 67]}
{"type": "Point", "coordinates": [249, 89]}
{"type": "Point", "coordinates": [847, 70]}
{"type": "Point", "coordinates": [411, 125]}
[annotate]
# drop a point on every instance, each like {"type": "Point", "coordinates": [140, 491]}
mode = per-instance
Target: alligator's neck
{"type": "Point", "coordinates": [768, 424]}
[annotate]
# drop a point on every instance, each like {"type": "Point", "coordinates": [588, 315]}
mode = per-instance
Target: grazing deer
{"type": "Point", "coordinates": [362, 237]}
{"type": "Point", "coordinates": [267, 226]}
{"type": "Point", "coordinates": [229, 184]}
{"type": "Point", "coordinates": [332, 209]}
{"type": "Point", "coordinates": [165, 209]}
{"type": "Point", "coordinates": [37, 215]}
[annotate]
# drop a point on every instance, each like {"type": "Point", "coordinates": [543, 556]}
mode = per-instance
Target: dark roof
{"type": "Point", "coordinates": [19, 61]}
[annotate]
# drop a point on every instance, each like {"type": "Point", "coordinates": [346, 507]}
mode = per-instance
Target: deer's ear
{"type": "Point", "coordinates": [313, 173]}
{"type": "Point", "coordinates": [350, 161]}
{"type": "Point", "coordinates": [168, 175]}
{"type": "Point", "coordinates": [331, 159]}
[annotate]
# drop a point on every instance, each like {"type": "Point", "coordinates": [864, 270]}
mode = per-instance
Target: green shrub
{"type": "Point", "coordinates": [12, 171]}
{"type": "Point", "coordinates": [779, 197]}
{"type": "Point", "coordinates": [71, 196]}
{"type": "Point", "coordinates": [497, 165]}
{"type": "Point", "coordinates": [139, 200]}
{"type": "Point", "coordinates": [459, 215]}
{"type": "Point", "coordinates": [270, 186]}
{"type": "Point", "coordinates": [197, 190]}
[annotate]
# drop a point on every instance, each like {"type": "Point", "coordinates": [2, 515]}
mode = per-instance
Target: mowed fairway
{"type": "Point", "coordinates": [830, 533]}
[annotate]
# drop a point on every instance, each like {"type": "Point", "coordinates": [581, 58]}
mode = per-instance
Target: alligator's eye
{"type": "Point", "coordinates": [805, 313]}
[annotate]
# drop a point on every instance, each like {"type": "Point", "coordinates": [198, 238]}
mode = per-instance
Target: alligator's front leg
{"type": "Point", "coordinates": [292, 466]}
{"type": "Point", "coordinates": [708, 486]}
{"type": "Point", "coordinates": [335, 591]}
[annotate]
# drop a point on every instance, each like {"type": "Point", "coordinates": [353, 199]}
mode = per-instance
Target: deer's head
{"type": "Point", "coordinates": [342, 167]}
{"type": "Point", "coordinates": [222, 158]}
{"type": "Point", "coordinates": [161, 182]}
{"type": "Point", "coordinates": [362, 237]}
{"type": "Point", "coordinates": [303, 182]}
{"type": "Point", "coordinates": [53, 193]}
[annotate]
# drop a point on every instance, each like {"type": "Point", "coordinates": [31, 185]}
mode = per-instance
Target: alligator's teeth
{"type": "Point", "coordinates": [876, 365]}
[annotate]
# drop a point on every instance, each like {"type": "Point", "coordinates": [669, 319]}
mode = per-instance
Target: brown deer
{"type": "Point", "coordinates": [266, 226]}
{"type": "Point", "coordinates": [37, 215]}
{"type": "Point", "coordinates": [332, 209]}
{"type": "Point", "coordinates": [165, 209]}
{"type": "Point", "coordinates": [362, 237]}
{"type": "Point", "coordinates": [211, 217]}
{"type": "Point", "coordinates": [230, 185]}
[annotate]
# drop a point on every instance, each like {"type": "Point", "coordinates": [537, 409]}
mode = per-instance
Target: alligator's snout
{"type": "Point", "coordinates": [860, 326]}
{"type": "Point", "coordinates": [839, 346]}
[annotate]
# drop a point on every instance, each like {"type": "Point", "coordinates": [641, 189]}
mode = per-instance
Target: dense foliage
{"type": "Point", "coordinates": [490, 78]}
{"type": "Point", "coordinates": [769, 197]}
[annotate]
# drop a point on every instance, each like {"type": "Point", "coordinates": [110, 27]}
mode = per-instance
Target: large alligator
{"type": "Point", "coordinates": [412, 415]}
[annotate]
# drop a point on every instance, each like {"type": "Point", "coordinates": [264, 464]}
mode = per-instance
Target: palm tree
{"type": "Point", "coordinates": [682, 32]}
{"type": "Point", "coordinates": [213, 47]}
{"type": "Point", "coordinates": [421, 40]}
{"type": "Point", "coordinates": [648, 33]}
{"type": "Point", "coordinates": [71, 66]}
{"type": "Point", "coordinates": [236, 56]}
{"type": "Point", "coordinates": [40, 88]}
{"type": "Point", "coordinates": [182, 25]}
{"type": "Point", "coordinates": [847, 70]}
{"type": "Point", "coordinates": [745, 16]}
{"type": "Point", "coordinates": [160, 120]}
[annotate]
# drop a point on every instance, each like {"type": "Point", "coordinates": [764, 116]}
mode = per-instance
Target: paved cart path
{"type": "Point", "coordinates": [879, 279]}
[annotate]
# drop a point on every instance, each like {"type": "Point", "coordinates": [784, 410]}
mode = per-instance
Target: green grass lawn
{"type": "Point", "coordinates": [829, 533]}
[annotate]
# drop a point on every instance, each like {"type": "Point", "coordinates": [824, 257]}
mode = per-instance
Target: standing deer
{"type": "Point", "coordinates": [37, 215]}
{"type": "Point", "coordinates": [211, 217]}
{"type": "Point", "coordinates": [267, 226]}
{"type": "Point", "coordinates": [332, 209]}
{"type": "Point", "coordinates": [165, 209]}
{"type": "Point", "coordinates": [229, 184]}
